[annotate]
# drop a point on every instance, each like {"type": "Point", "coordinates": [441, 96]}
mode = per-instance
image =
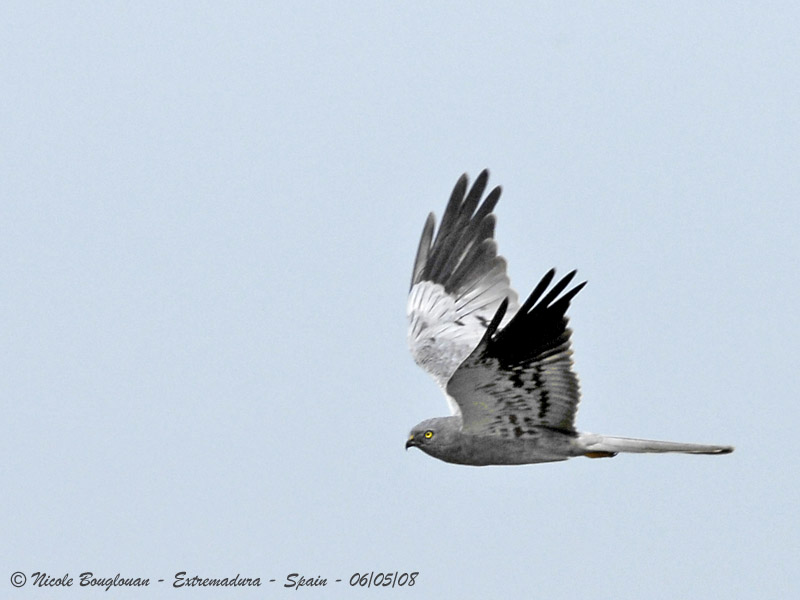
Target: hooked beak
{"type": "Point", "coordinates": [410, 442]}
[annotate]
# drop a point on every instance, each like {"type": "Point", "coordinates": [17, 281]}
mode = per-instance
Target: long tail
{"type": "Point", "coordinates": [598, 446]}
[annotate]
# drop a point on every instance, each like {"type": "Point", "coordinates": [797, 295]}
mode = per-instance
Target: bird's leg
{"type": "Point", "coordinates": [600, 454]}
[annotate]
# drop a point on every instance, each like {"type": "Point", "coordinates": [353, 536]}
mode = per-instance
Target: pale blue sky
{"type": "Point", "coordinates": [209, 215]}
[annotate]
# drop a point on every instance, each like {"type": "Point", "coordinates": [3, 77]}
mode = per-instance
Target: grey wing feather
{"type": "Point", "coordinates": [520, 377]}
{"type": "Point", "coordinates": [423, 248]}
{"type": "Point", "coordinates": [458, 281]}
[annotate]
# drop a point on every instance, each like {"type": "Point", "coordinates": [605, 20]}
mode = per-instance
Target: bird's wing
{"type": "Point", "coordinates": [458, 282]}
{"type": "Point", "coordinates": [520, 377]}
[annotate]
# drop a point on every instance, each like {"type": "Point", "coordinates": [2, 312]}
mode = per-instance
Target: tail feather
{"type": "Point", "coordinates": [594, 444]}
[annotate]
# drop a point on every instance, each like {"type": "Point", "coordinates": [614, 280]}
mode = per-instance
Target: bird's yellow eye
{"type": "Point", "coordinates": [428, 435]}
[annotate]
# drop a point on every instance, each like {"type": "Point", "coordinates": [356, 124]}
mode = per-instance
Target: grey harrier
{"type": "Point", "coordinates": [505, 369]}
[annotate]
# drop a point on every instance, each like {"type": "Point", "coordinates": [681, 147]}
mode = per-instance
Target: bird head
{"type": "Point", "coordinates": [432, 436]}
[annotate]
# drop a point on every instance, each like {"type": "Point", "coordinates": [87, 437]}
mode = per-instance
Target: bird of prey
{"type": "Point", "coordinates": [505, 369]}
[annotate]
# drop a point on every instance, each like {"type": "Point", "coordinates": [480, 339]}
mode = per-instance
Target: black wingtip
{"type": "Point", "coordinates": [537, 292]}
{"type": "Point", "coordinates": [498, 317]}
{"type": "Point", "coordinates": [540, 324]}
{"type": "Point", "coordinates": [567, 298]}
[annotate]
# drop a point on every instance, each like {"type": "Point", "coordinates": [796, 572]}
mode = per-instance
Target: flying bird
{"type": "Point", "coordinates": [505, 368]}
